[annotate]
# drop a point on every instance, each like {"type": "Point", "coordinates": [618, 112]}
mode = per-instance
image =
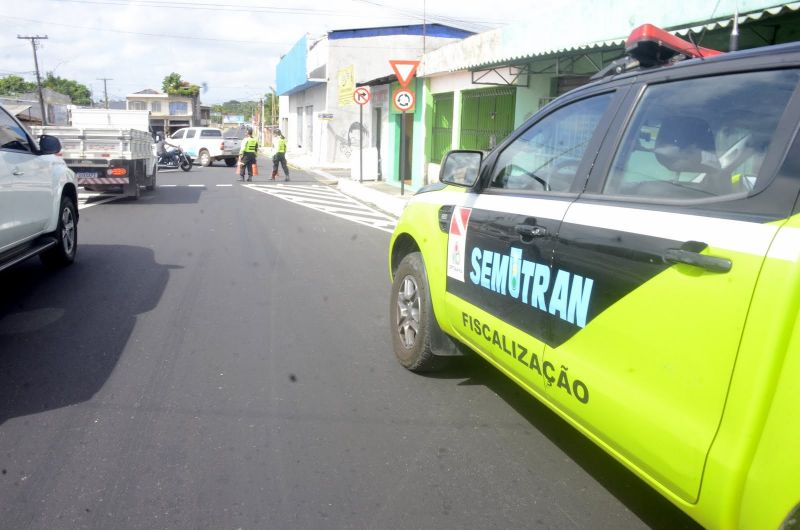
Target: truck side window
{"type": "Point", "coordinates": [12, 136]}
{"type": "Point", "coordinates": [701, 138]}
{"type": "Point", "coordinates": [547, 156]}
{"type": "Point", "coordinates": [190, 133]}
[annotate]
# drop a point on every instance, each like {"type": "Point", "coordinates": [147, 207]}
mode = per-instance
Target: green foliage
{"type": "Point", "coordinates": [174, 85]}
{"type": "Point", "coordinates": [14, 84]}
{"type": "Point", "coordinates": [247, 108]}
{"type": "Point", "coordinates": [78, 93]}
{"type": "Point", "coordinates": [236, 108]}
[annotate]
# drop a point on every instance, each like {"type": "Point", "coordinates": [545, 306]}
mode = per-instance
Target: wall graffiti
{"type": "Point", "coordinates": [347, 140]}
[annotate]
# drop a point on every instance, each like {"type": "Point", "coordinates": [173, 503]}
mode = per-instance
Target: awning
{"type": "Point", "coordinates": [385, 80]}
{"type": "Point", "coordinates": [16, 110]}
{"type": "Point", "coordinates": [602, 24]}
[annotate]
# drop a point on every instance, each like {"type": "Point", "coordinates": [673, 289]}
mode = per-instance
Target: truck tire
{"type": "Point", "coordinates": [411, 317]}
{"type": "Point", "coordinates": [230, 162]}
{"type": "Point", "coordinates": [66, 235]}
{"type": "Point", "coordinates": [205, 158]}
{"type": "Point", "coordinates": [133, 191]}
{"type": "Point", "coordinates": [152, 185]}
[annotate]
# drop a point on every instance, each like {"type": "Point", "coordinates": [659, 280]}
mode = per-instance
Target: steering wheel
{"type": "Point", "coordinates": [512, 168]}
{"type": "Point", "coordinates": [563, 172]}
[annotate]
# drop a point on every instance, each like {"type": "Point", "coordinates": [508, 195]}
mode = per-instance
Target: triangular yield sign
{"type": "Point", "coordinates": [404, 70]}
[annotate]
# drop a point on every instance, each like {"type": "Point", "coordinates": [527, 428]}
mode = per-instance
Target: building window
{"type": "Point", "coordinates": [155, 106]}
{"type": "Point", "coordinates": [299, 126]}
{"type": "Point", "coordinates": [137, 105]}
{"type": "Point", "coordinates": [178, 108]}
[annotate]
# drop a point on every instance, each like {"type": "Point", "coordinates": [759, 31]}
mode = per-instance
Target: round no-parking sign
{"type": "Point", "coordinates": [404, 100]}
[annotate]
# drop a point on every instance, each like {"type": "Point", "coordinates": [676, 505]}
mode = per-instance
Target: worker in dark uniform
{"type": "Point", "coordinates": [280, 158]}
{"type": "Point", "coordinates": [247, 155]}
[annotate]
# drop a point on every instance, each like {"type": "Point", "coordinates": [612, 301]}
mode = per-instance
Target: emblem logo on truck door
{"type": "Point", "coordinates": [457, 242]}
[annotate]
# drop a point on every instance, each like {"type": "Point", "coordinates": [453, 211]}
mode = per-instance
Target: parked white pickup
{"type": "Point", "coordinates": [204, 144]}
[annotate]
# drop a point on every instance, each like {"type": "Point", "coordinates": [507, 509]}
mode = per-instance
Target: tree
{"type": "Point", "coordinates": [237, 108]}
{"type": "Point", "coordinates": [174, 85]}
{"type": "Point", "coordinates": [271, 102]}
{"type": "Point", "coordinates": [78, 93]}
{"type": "Point", "coordinates": [14, 84]}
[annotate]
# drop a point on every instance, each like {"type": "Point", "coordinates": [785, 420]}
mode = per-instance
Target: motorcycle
{"type": "Point", "coordinates": [177, 159]}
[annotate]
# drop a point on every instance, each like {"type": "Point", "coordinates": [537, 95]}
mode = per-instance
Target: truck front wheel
{"type": "Point", "coordinates": [411, 317]}
{"type": "Point", "coordinates": [66, 234]}
{"type": "Point", "coordinates": [230, 162]}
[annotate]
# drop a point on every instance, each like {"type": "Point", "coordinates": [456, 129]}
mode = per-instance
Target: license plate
{"type": "Point", "coordinates": [86, 174]}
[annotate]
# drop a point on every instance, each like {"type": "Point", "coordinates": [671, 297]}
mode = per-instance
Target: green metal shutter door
{"type": "Point", "coordinates": [442, 126]}
{"type": "Point", "coordinates": [487, 117]}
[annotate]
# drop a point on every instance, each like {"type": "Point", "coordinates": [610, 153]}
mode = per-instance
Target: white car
{"type": "Point", "coordinates": [38, 198]}
{"type": "Point", "coordinates": [204, 144]}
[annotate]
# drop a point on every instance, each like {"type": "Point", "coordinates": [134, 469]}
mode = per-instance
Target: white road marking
{"type": "Point", "coordinates": [85, 196]}
{"type": "Point", "coordinates": [337, 204]}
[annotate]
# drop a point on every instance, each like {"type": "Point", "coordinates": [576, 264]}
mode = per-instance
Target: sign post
{"type": "Point", "coordinates": [403, 100]}
{"type": "Point", "coordinates": [361, 95]}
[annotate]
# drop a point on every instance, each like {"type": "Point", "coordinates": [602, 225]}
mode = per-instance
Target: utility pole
{"type": "Point", "coordinates": [273, 105]}
{"type": "Point", "coordinates": [105, 87]}
{"type": "Point", "coordinates": [38, 78]}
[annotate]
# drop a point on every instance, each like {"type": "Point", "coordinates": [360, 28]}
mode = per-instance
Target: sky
{"type": "Point", "coordinates": [229, 47]}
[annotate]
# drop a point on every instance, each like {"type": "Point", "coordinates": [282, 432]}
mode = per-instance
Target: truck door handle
{"type": "Point", "coordinates": [530, 231]}
{"type": "Point", "coordinates": [17, 172]}
{"type": "Point", "coordinates": [689, 254]}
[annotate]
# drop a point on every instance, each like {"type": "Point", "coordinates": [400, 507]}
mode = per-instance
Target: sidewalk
{"type": "Point", "coordinates": [383, 196]}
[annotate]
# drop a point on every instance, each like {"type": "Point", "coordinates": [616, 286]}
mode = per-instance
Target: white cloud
{"type": "Point", "coordinates": [131, 41]}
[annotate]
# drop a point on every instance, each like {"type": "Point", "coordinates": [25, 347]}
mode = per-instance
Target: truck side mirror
{"type": "Point", "coordinates": [461, 168]}
{"type": "Point", "coordinates": [49, 145]}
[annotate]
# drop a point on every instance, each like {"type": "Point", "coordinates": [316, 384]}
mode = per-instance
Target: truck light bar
{"type": "Point", "coordinates": [651, 46]}
{"type": "Point", "coordinates": [117, 172]}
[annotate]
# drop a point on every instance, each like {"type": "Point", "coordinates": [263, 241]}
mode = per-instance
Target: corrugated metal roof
{"type": "Point", "coordinates": [743, 18]}
{"type": "Point", "coordinates": [601, 25]}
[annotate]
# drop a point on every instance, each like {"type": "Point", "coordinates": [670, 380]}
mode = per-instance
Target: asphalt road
{"type": "Point", "coordinates": [218, 357]}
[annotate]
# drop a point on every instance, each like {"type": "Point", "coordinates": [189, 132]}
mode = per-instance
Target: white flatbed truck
{"type": "Point", "coordinates": [109, 150]}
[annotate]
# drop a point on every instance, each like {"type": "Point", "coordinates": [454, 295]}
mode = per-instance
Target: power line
{"type": "Point", "coordinates": [416, 14]}
{"type": "Point", "coordinates": [164, 35]}
{"type": "Point", "coordinates": [217, 7]}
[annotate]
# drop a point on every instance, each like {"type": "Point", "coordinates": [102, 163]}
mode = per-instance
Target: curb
{"type": "Point", "coordinates": [387, 203]}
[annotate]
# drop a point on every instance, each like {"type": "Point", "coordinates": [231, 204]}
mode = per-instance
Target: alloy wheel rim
{"type": "Point", "coordinates": [408, 311]}
{"type": "Point", "coordinates": [67, 231]}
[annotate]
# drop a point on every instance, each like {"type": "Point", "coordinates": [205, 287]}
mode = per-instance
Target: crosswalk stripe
{"type": "Point", "coordinates": [332, 202]}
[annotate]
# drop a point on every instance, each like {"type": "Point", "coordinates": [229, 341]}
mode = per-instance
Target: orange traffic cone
{"type": "Point", "coordinates": [255, 169]}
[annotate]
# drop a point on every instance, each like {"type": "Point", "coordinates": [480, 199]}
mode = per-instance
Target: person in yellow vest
{"type": "Point", "coordinates": [247, 155]}
{"type": "Point", "coordinates": [280, 157]}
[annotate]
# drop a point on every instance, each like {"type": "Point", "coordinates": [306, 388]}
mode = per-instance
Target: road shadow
{"type": "Point", "coordinates": [62, 331]}
{"type": "Point", "coordinates": [652, 508]}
